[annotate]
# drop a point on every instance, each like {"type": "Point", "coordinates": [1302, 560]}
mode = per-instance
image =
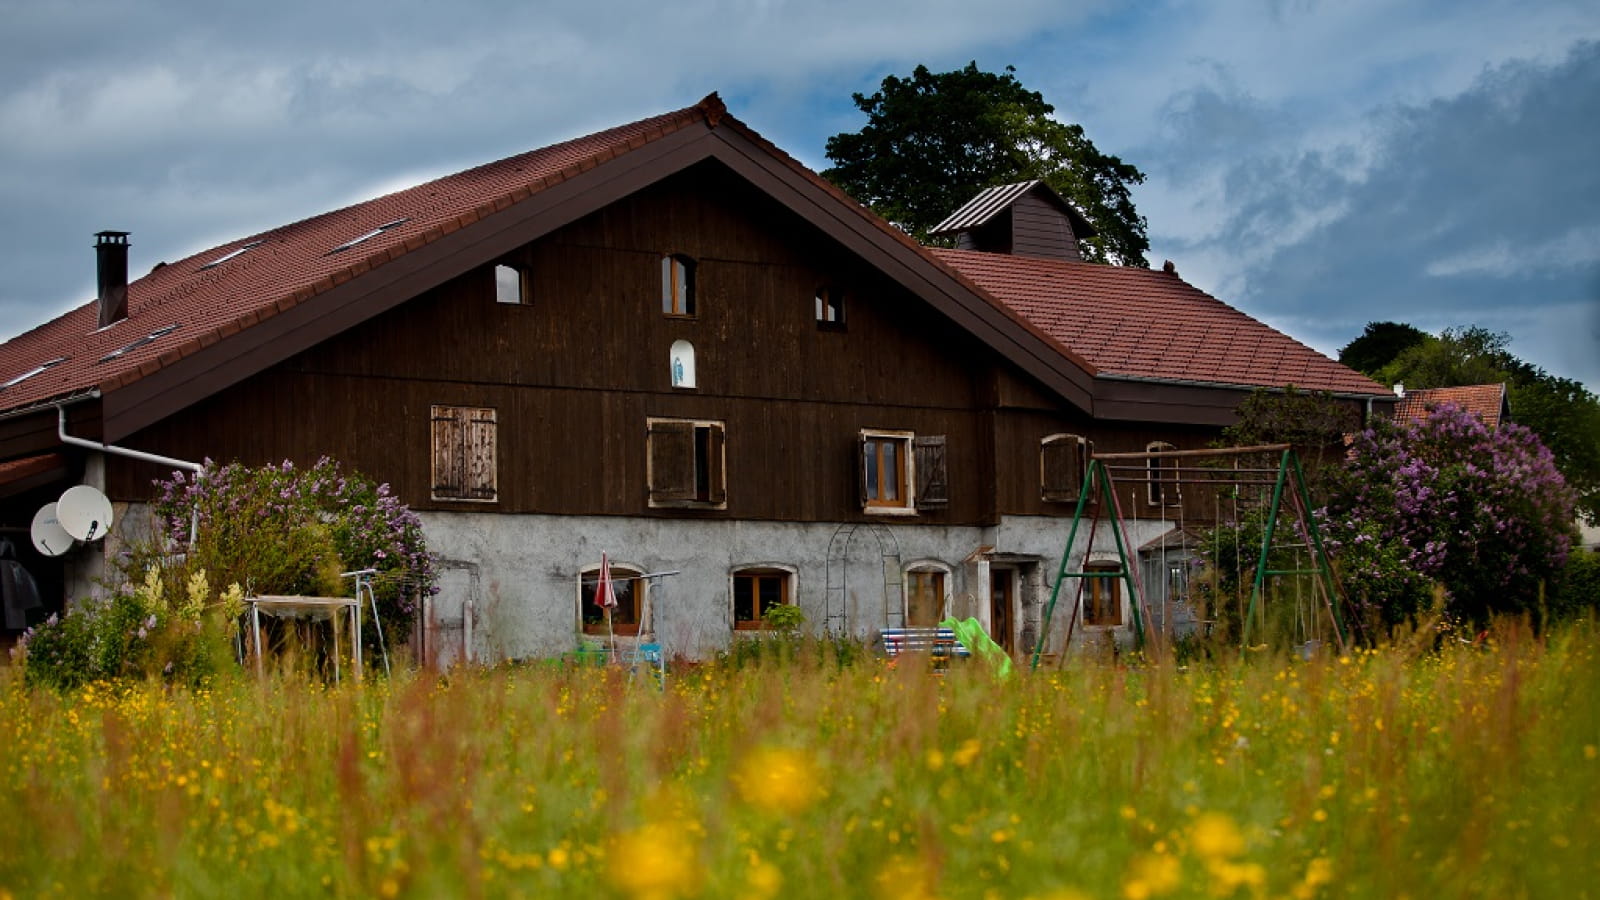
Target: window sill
{"type": "Point", "coordinates": [889, 510]}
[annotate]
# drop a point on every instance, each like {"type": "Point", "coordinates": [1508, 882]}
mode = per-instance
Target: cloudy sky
{"type": "Point", "coordinates": [1319, 165]}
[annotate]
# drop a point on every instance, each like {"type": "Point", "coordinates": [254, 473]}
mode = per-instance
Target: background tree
{"type": "Point", "coordinates": [1379, 344]}
{"type": "Point", "coordinates": [1313, 422]}
{"type": "Point", "coordinates": [933, 141]}
{"type": "Point", "coordinates": [1564, 413]}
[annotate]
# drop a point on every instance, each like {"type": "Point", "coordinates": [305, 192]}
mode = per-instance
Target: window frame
{"type": "Point", "coordinates": [678, 293]}
{"type": "Point", "coordinates": [637, 602]}
{"type": "Point", "coordinates": [1093, 599]}
{"type": "Point", "coordinates": [524, 289]}
{"type": "Point", "coordinates": [707, 456]}
{"type": "Point", "coordinates": [914, 572]}
{"type": "Point", "coordinates": [869, 445]}
{"type": "Point", "coordinates": [454, 432]}
{"type": "Point", "coordinates": [787, 577]}
{"type": "Point", "coordinates": [1156, 484]}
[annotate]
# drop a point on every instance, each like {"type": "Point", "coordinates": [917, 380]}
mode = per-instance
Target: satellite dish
{"type": "Point", "coordinates": [84, 512]}
{"type": "Point", "coordinates": [49, 537]}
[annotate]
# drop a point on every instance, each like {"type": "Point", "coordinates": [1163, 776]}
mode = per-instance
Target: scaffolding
{"type": "Point", "coordinates": [1230, 471]}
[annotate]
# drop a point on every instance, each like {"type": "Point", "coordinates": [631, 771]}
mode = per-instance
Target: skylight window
{"type": "Point", "coordinates": [369, 235]}
{"type": "Point", "coordinates": [224, 258]}
{"type": "Point", "coordinates": [139, 343]}
{"type": "Point", "coordinates": [32, 372]}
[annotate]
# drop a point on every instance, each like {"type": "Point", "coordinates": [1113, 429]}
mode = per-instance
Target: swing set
{"type": "Point", "coordinates": [1238, 475]}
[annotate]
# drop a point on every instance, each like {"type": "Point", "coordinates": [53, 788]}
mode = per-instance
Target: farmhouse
{"type": "Point", "coordinates": [670, 342]}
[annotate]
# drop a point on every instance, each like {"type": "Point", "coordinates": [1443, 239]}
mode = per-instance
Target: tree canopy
{"type": "Point", "coordinates": [934, 140]}
{"type": "Point", "coordinates": [1379, 344]}
{"type": "Point", "coordinates": [1564, 413]}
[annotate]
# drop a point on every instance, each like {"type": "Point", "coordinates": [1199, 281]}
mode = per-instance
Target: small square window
{"type": "Point", "coordinates": [626, 586]}
{"type": "Point", "coordinates": [1063, 463]}
{"type": "Point", "coordinates": [830, 307]}
{"type": "Point", "coordinates": [511, 285]}
{"type": "Point", "coordinates": [1162, 476]}
{"type": "Point", "coordinates": [902, 472]}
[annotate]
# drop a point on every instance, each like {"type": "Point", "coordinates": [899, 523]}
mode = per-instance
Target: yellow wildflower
{"type": "Point", "coordinates": [661, 863]}
{"type": "Point", "coordinates": [785, 781]}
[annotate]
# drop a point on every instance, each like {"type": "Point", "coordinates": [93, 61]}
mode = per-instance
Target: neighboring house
{"type": "Point", "coordinates": [671, 342]}
{"type": "Point", "coordinates": [1486, 401]}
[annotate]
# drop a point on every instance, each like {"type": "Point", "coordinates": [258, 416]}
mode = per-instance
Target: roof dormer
{"type": "Point", "coordinates": [1024, 219]}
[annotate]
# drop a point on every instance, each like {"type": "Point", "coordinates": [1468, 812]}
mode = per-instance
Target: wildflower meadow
{"type": "Point", "coordinates": [1412, 770]}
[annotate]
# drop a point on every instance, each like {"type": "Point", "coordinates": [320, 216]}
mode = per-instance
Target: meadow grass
{"type": "Point", "coordinates": [1468, 771]}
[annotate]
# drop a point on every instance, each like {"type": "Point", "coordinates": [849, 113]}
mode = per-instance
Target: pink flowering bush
{"type": "Point", "coordinates": [284, 530]}
{"type": "Point", "coordinates": [1482, 513]}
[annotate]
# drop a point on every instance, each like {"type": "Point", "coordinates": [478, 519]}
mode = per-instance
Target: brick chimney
{"type": "Point", "coordinates": [111, 255]}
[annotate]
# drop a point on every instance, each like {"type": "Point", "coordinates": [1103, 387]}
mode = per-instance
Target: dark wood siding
{"type": "Point", "coordinates": [574, 376]}
{"type": "Point", "coordinates": [1038, 228]}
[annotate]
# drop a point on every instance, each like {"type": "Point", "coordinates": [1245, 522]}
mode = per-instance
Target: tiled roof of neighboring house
{"type": "Point", "coordinates": [1486, 401]}
{"type": "Point", "coordinates": [222, 291]}
{"type": "Point", "coordinates": [1146, 324]}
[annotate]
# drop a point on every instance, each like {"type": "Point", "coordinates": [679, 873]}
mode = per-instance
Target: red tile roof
{"type": "Point", "coordinates": [292, 264]}
{"type": "Point", "coordinates": [1147, 324]}
{"type": "Point", "coordinates": [1486, 401]}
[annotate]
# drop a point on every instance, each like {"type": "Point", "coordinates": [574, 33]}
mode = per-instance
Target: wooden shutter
{"type": "Point", "coordinates": [478, 452]}
{"type": "Point", "coordinates": [449, 477]}
{"type": "Point", "coordinates": [861, 469]}
{"type": "Point", "coordinates": [933, 482]}
{"type": "Point", "coordinates": [1061, 465]}
{"type": "Point", "coordinates": [716, 474]}
{"type": "Point", "coordinates": [671, 447]}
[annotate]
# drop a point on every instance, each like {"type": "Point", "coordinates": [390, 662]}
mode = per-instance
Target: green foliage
{"type": "Point", "coordinates": [1564, 413]}
{"type": "Point", "coordinates": [1379, 344]}
{"type": "Point", "coordinates": [1314, 423]}
{"type": "Point", "coordinates": [785, 618]}
{"type": "Point", "coordinates": [1577, 588]}
{"type": "Point", "coordinates": [137, 633]}
{"type": "Point", "coordinates": [284, 530]}
{"type": "Point", "coordinates": [934, 140]}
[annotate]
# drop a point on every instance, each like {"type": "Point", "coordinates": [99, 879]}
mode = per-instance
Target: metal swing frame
{"type": "Point", "coordinates": [1289, 494]}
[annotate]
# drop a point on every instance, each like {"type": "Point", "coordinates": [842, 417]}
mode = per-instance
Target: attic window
{"type": "Point", "coordinates": [227, 256]}
{"type": "Point", "coordinates": [32, 372]}
{"type": "Point", "coordinates": [369, 235]}
{"type": "Point", "coordinates": [139, 343]}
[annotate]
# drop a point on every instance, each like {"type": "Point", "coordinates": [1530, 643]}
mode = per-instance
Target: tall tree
{"type": "Point", "coordinates": [934, 140]}
{"type": "Point", "coordinates": [1564, 413]}
{"type": "Point", "coordinates": [1379, 344]}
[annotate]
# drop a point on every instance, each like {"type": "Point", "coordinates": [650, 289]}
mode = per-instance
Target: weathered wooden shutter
{"type": "Point", "coordinates": [1061, 467]}
{"type": "Point", "coordinates": [671, 461]}
{"type": "Point", "coordinates": [449, 478]}
{"type": "Point", "coordinates": [715, 474]}
{"type": "Point", "coordinates": [933, 481]}
{"type": "Point", "coordinates": [478, 451]}
{"type": "Point", "coordinates": [862, 449]}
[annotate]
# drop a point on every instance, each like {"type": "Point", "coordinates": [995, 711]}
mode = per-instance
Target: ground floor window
{"type": "Point", "coordinates": [757, 590]}
{"type": "Point", "coordinates": [925, 594]}
{"type": "Point", "coordinates": [1102, 596]}
{"type": "Point", "coordinates": [629, 589]}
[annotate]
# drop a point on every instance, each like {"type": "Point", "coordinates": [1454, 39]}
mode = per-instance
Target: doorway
{"type": "Point", "coordinates": [1002, 607]}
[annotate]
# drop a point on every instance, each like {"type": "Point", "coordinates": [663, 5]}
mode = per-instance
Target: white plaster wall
{"type": "Point", "coordinates": [524, 601]}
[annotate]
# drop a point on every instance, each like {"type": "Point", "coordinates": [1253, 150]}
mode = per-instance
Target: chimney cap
{"type": "Point", "coordinates": [111, 237]}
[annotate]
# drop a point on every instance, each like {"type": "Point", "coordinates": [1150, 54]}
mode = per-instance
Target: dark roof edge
{"type": "Point", "coordinates": [1189, 382]}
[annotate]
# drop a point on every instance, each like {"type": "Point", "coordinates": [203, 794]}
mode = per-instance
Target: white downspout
{"type": "Point", "coordinates": [158, 459]}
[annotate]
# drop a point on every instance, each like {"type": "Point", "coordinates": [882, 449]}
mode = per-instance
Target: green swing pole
{"type": "Point", "coordinates": [1266, 546]}
{"type": "Point", "coordinates": [1066, 553]}
{"type": "Point", "coordinates": [1324, 567]}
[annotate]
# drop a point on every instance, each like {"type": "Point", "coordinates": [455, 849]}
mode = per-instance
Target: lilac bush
{"type": "Point", "coordinates": [284, 530]}
{"type": "Point", "coordinates": [1482, 513]}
